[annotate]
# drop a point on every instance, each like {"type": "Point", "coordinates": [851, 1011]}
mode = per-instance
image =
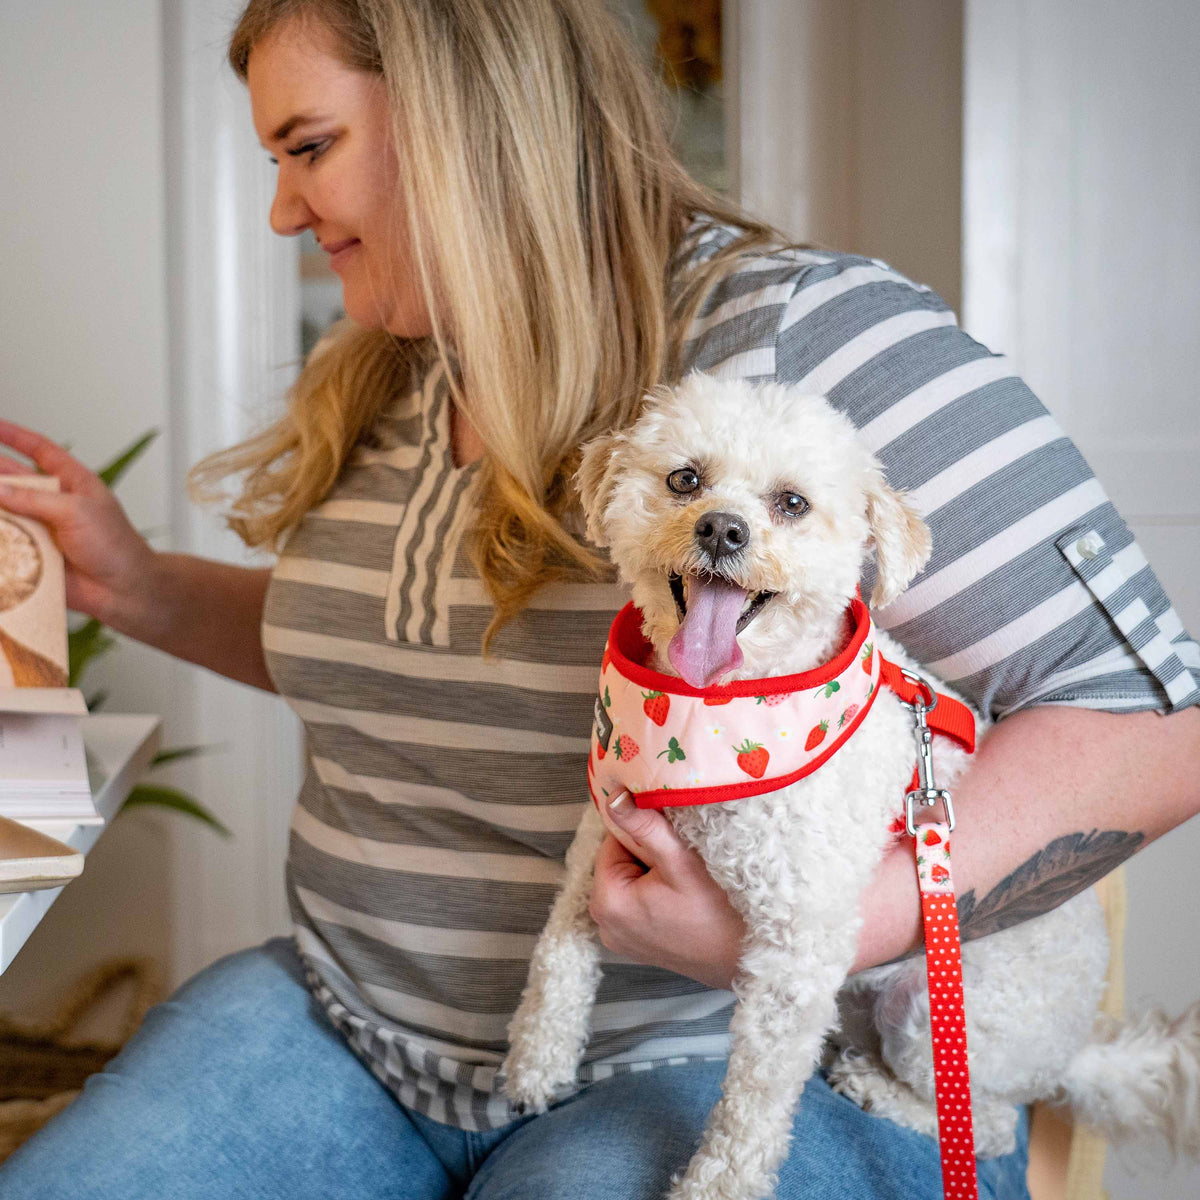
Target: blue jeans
{"type": "Point", "coordinates": [239, 1088]}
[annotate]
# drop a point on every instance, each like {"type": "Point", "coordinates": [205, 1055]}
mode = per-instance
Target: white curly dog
{"type": "Point", "coordinates": [741, 515]}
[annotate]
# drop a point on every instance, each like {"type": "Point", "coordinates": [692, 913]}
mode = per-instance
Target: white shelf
{"type": "Point", "coordinates": [123, 745]}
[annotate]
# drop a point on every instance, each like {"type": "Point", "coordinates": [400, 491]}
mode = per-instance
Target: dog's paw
{"type": "Point", "coordinates": [531, 1085]}
{"type": "Point", "coordinates": [526, 1098]}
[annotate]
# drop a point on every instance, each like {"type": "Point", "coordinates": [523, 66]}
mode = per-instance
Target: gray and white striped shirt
{"type": "Point", "coordinates": [443, 788]}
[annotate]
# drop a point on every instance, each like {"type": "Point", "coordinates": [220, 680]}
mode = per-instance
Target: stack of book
{"type": "Point", "coordinates": [43, 766]}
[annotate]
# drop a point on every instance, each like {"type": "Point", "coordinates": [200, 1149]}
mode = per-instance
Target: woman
{"type": "Point", "coordinates": [521, 258]}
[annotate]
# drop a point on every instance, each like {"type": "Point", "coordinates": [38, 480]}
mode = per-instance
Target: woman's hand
{"type": "Point", "coordinates": [108, 563]}
{"type": "Point", "coordinates": [668, 912]}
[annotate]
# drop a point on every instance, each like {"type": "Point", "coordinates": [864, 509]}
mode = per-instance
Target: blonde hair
{"type": "Point", "coordinates": [547, 212]}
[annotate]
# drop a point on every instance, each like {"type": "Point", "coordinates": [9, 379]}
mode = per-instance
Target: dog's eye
{"type": "Point", "coordinates": [683, 481]}
{"type": "Point", "coordinates": [791, 504]}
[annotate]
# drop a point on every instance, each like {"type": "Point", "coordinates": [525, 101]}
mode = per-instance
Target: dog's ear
{"type": "Point", "coordinates": [901, 538]}
{"type": "Point", "coordinates": [594, 480]}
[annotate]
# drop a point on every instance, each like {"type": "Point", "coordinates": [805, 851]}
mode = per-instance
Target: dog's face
{"type": "Point", "coordinates": [740, 514]}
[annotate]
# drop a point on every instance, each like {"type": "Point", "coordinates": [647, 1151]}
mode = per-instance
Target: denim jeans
{"type": "Point", "coordinates": [239, 1088]}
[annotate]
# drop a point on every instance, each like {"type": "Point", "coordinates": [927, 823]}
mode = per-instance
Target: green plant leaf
{"type": "Point", "coordinates": [169, 797]}
{"type": "Point", "coordinates": [85, 643]}
{"type": "Point", "coordinates": [119, 465]}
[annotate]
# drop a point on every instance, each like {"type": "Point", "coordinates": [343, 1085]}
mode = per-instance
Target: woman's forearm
{"type": "Point", "coordinates": [1055, 799]}
{"type": "Point", "coordinates": [204, 611]}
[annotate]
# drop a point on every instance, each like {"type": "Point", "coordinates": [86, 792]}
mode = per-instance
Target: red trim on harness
{"type": "Point", "coordinates": [630, 648]}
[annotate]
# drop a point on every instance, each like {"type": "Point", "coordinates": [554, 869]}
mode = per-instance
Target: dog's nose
{"type": "Point", "coordinates": [721, 533]}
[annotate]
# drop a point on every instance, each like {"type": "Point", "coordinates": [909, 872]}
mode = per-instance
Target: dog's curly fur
{"type": "Point", "coordinates": [794, 862]}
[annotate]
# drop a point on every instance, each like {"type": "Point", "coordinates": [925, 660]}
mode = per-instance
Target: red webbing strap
{"type": "Point", "coordinates": [943, 953]}
{"type": "Point", "coordinates": [943, 964]}
{"type": "Point", "coordinates": [951, 717]}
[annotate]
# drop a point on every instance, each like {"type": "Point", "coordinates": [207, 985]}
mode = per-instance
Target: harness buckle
{"type": "Point", "coordinates": [926, 793]}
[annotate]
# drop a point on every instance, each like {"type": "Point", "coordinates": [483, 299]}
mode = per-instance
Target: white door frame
{"type": "Point", "coordinates": [234, 325]}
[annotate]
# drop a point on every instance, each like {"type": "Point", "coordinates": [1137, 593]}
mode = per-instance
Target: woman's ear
{"type": "Point", "coordinates": [901, 538]}
{"type": "Point", "coordinates": [595, 479]}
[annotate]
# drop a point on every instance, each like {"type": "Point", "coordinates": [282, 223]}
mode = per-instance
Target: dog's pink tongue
{"type": "Point", "coordinates": [705, 645]}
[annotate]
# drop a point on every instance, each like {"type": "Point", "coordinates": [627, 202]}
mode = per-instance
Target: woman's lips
{"type": "Point", "coordinates": [339, 251]}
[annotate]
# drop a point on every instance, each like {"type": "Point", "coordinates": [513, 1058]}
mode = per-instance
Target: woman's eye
{"type": "Point", "coordinates": [792, 504]}
{"type": "Point", "coordinates": [683, 481]}
{"type": "Point", "coordinates": [315, 149]}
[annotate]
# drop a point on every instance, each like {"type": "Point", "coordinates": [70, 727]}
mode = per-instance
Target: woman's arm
{"type": "Point", "coordinates": [206, 612]}
{"type": "Point", "coordinates": [1055, 799]}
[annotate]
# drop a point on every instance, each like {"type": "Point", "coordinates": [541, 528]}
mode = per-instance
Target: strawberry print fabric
{"type": "Point", "coordinates": [933, 859]}
{"type": "Point", "coordinates": [943, 963]}
{"type": "Point", "coordinates": [668, 743]}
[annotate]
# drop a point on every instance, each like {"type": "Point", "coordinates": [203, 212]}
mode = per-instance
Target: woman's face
{"type": "Point", "coordinates": [327, 126]}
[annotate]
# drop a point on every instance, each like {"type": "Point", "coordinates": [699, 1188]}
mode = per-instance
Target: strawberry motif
{"type": "Point", "coordinates": [848, 715]}
{"type": "Point", "coordinates": [828, 690]}
{"type": "Point", "coordinates": [626, 748]}
{"type": "Point", "coordinates": [713, 700]}
{"type": "Point", "coordinates": [938, 873]}
{"type": "Point", "coordinates": [605, 659]}
{"type": "Point", "coordinates": [600, 750]}
{"type": "Point", "coordinates": [772, 700]}
{"type": "Point", "coordinates": [868, 651]}
{"type": "Point", "coordinates": [931, 837]}
{"type": "Point", "coordinates": [816, 735]}
{"type": "Point", "coordinates": [656, 706]}
{"type": "Point", "coordinates": [752, 758]}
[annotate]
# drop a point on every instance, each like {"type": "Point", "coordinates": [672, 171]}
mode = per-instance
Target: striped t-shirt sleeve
{"type": "Point", "coordinates": [1036, 591]}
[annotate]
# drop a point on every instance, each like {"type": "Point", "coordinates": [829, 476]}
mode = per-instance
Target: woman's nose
{"type": "Point", "coordinates": [290, 213]}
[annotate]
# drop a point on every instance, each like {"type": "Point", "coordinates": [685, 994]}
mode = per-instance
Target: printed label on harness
{"type": "Point", "coordinates": [604, 725]}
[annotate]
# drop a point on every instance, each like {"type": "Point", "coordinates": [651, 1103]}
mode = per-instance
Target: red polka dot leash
{"type": "Point", "coordinates": [943, 948]}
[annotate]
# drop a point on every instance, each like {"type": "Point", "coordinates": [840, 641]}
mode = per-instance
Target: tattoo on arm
{"type": "Point", "coordinates": [1050, 878]}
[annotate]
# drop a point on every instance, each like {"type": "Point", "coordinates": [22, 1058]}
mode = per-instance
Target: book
{"type": "Point", "coordinates": [30, 859]}
{"type": "Point", "coordinates": [33, 598]}
{"type": "Point", "coordinates": [43, 766]}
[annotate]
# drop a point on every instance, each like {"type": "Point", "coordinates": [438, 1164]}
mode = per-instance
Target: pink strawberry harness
{"type": "Point", "coordinates": [668, 743]}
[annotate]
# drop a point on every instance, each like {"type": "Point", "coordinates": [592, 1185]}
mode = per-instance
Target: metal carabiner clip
{"type": "Point", "coordinates": [926, 793]}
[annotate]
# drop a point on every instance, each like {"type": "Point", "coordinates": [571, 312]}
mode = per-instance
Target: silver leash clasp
{"type": "Point", "coordinates": [926, 793]}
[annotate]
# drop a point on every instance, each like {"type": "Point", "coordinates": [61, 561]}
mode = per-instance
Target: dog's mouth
{"type": "Point", "coordinates": [712, 612]}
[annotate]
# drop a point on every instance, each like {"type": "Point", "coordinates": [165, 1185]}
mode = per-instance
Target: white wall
{"type": "Point", "coordinates": [235, 345]}
{"type": "Point", "coordinates": [849, 122]}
